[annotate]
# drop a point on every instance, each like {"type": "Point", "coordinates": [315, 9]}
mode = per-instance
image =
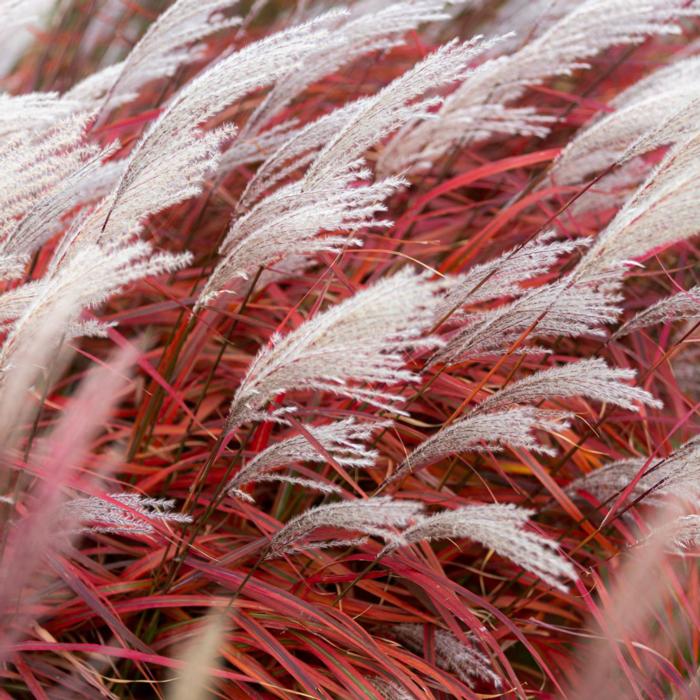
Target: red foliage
{"type": "Point", "coordinates": [107, 616]}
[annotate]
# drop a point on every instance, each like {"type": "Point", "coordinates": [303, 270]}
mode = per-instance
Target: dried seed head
{"type": "Point", "coordinates": [124, 513]}
{"type": "Point", "coordinates": [468, 663]}
{"type": "Point", "coordinates": [678, 475]}
{"type": "Point", "coordinates": [590, 378]}
{"type": "Point", "coordinates": [566, 308]}
{"type": "Point", "coordinates": [344, 441]}
{"type": "Point", "coordinates": [380, 517]}
{"type": "Point", "coordinates": [498, 527]}
{"type": "Point", "coordinates": [589, 28]}
{"type": "Point", "coordinates": [361, 341]}
{"type": "Point", "coordinates": [681, 306]}
{"type": "Point", "coordinates": [486, 431]}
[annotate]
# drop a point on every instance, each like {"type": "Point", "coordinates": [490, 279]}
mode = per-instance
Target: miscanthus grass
{"type": "Point", "coordinates": [349, 350]}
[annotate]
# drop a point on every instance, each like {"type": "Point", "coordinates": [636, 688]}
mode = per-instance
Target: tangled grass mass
{"type": "Point", "coordinates": [350, 350]}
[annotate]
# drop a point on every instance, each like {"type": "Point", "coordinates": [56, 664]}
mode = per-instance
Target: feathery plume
{"type": "Point", "coordinates": [169, 42]}
{"type": "Point", "coordinates": [34, 358]}
{"type": "Point", "coordinates": [51, 214]}
{"type": "Point", "coordinates": [564, 47]}
{"type": "Point", "coordinates": [677, 475]}
{"type": "Point", "coordinates": [174, 156]}
{"type": "Point", "coordinates": [499, 527]}
{"type": "Point", "coordinates": [292, 266]}
{"type": "Point", "coordinates": [681, 534]}
{"type": "Point", "coordinates": [611, 191]}
{"type": "Point", "coordinates": [200, 655]}
{"type": "Point", "coordinates": [609, 479]}
{"type": "Point", "coordinates": [676, 127]}
{"type": "Point", "coordinates": [566, 307]}
{"type": "Point", "coordinates": [33, 166]}
{"type": "Point", "coordinates": [590, 378]}
{"type": "Point", "coordinates": [17, 13]}
{"type": "Point", "coordinates": [420, 144]}
{"type": "Point", "coordinates": [343, 440]}
{"type": "Point", "coordinates": [652, 113]}
{"type": "Point", "coordinates": [588, 29]}
{"type": "Point", "coordinates": [359, 34]}
{"type": "Point", "coordinates": [93, 275]}
{"type": "Point", "coordinates": [98, 181]}
{"type": "Point", "coordinates": [505, 275]}
{"type": "Point", "coordinates": [255, 66]}
{"type": "Point", "coordinates": [146, 188]}
{"type": "Point", "coordinates": [681, 72]}
{"type": "Point", "coordinates": [684, 305]}
{"type": "Point", "coordinates": [297, 147]}
{"type": "Point", "coordinates": [288, 223]}
{"type": "Point", "coordinates": [389, 689]}
{"type": "Point", "coordinates": [361, 340]}
{"type": "Point", "coordinates": [396, 104]}
{"type": "Point", "coordinates": [22, 114]}
{"type": "Point", "coordinates": [315, 484]}
{"type": "Point", "coordinates": [662, 211]}
{"type": "Point", "coordinates": [686, 368]}
{"type": "Point", "coordinates": [466, 662]}
{"type": "Point", "coordinates": [379, 517]}
{"type": "Point", "coordinates": [41, 529]}
{"type": "Point", "coordinates": [259, 147]}
{"type": "Point", "coordinates": [527, 19]}
{"type": "Point", "coordinates": [123, 513]}
{"type": "Point", "coordinates": [481, 432]}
